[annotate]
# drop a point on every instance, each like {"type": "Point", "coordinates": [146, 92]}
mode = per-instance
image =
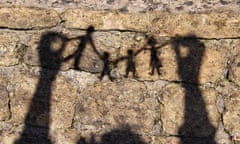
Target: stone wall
{"type": "Point", "coordinates": [52, 58]}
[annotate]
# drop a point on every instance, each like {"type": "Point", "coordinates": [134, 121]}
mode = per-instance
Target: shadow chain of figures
{"type": "Point", "coordinates": [37, 120]}
{"type": "Point", "coordinates": [155, 62]}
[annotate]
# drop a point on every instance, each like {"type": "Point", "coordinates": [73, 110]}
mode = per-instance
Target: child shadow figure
{"type": "Point", "coordinates": [155, 61]}
{"type": "Point", "coordinates": [131, 66]}
{"type": "Point", "coordinates": [84, 40]}
{"type": "Point", "coordinates": [106, 65]}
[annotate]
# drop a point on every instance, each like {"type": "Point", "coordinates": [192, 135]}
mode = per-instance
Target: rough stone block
{"type": "Point", "coordinates": [231, 114]}
{"type": "Point", "coordinates": [44, 99]}
{"type": "Point", "coordinates": [28, 18]}
{"type": "Point", "coordinates": [107, 105]}
{"type": "Point", "coordinates": [235, 69]}
{"type": "Point", "coordinates": [105, 20]}
{"type": "Point", "coordinates": [22, 91]}
{"type": "Point", "coordinates": [189, 111]}
{"type": "Point", "coordinates": [8, 49]}
{"type": "Point", "coordinates": [4, 101]}
{"type": "Point", "coordinates": [65, 135]}
{"type": "Point", "coordinates": [208, 25]}
{"type": "Point", "coordinates": [133, 6]}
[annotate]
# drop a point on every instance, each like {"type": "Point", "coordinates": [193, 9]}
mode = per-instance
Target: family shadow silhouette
{"type": "Point", "coordinates": [189, 54]}
{"type": "Point", "coordinates": [155, 62]}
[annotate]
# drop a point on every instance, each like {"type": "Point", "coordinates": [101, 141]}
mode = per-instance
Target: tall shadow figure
{"type": "Point", "coordinates": [84, 40]}
{"type": "Point", "coordinates": [196, 120]}
{"type": "Point", "coordinates": [155, 61]}
{"type": "Point", "coordinates": [116, 136]}
{"type": "Point", "coordinates": [37, 120]}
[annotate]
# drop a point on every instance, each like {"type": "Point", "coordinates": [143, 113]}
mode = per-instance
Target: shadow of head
{"type": "Point", "coordinates": [152, 41]}
{"type": "Point", "coordinates": [189, 52]}
{"type": "Point", "coordinates": [90, 29]}
{"type": "Point", "coordinates": [106, 54]}
{"type": "Point", "coordinates": [50, 49]}
{"type": "Point", "coordinates": [130, 52]}
{"type": "Point", "coordinates": [190, 40]}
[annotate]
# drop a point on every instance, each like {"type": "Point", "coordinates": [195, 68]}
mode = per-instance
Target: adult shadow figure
{"type": "Point", "coordinates": [37, 120]}
{"type": "Point", "coordinates": [155, 61]}
{"type": "Point", "coordinates": [84, 40]}
{"type": "Point", "coordinates": [116, 136]}
{"type": "Point", "coordinates": [189, 54]}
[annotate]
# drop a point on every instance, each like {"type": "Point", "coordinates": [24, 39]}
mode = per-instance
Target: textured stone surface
{"type": "Point", "coordinates": [77, 18]}
{"type": "Point", "coordinates": [208, 25]}
{"type": "Point", "coordinates": [28, 18]}
{"type": "Point", "coordinates": [65, 135]}
{"type": "Point", "coordinates": [107, 105]}
{"type": "Point", "coordinates": [8, 49]}
{"type": "Point", "coordinates": [25, 85]}
{"type": "Point", "coordinates": [193, 101]}
{"type": "Point", "coordinates": [201, 110]}
{"type": "Point", "coordinates": [62, 104]}
{"type": "Point", "coordinates": [235, 69]}
{"type": "Point", "coordinates": [221, 136]}
{"type": "Point", "coordinates": [231, 114]}
{"type": "Point", "coordinates": [134, 6]}
{"type": "Point", "coordinates": [4, 102]}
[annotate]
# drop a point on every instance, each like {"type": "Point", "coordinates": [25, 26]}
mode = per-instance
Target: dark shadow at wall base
{"type": "Point", "coordinates": [34, 135]}
{"type": "Point", "coordinates": [197, 141]}
{"type": "Point", "coordinates": [116, 136]}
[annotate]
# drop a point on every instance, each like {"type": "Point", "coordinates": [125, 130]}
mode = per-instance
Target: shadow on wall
{"type": "Point", "coordinates": [116, 136]}
{"type": "Point", "coordinates": [84, 40]}
{"type": "Point", "coordinates": [50, 50]}
{"type": "Point", "coordinates": [37, 121]}
{"type": "Point", "coordinates": [189, 53]}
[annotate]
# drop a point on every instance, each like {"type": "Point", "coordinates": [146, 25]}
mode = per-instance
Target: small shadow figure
{"type": "Point", "coordinates": [196, 121]}
{"type": "Point", "coordinates": [116, 136]}
{"type": "Point", "coordinates": [37, 120]}
{"type": "Point", "coordinates": [84, 40]}
{"type": "Point", "coordinates": [131, 66]}
{"type": "Point", "coordinates": [155, 61]}
{"type": "Point", "coordinates": [106, 64]}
